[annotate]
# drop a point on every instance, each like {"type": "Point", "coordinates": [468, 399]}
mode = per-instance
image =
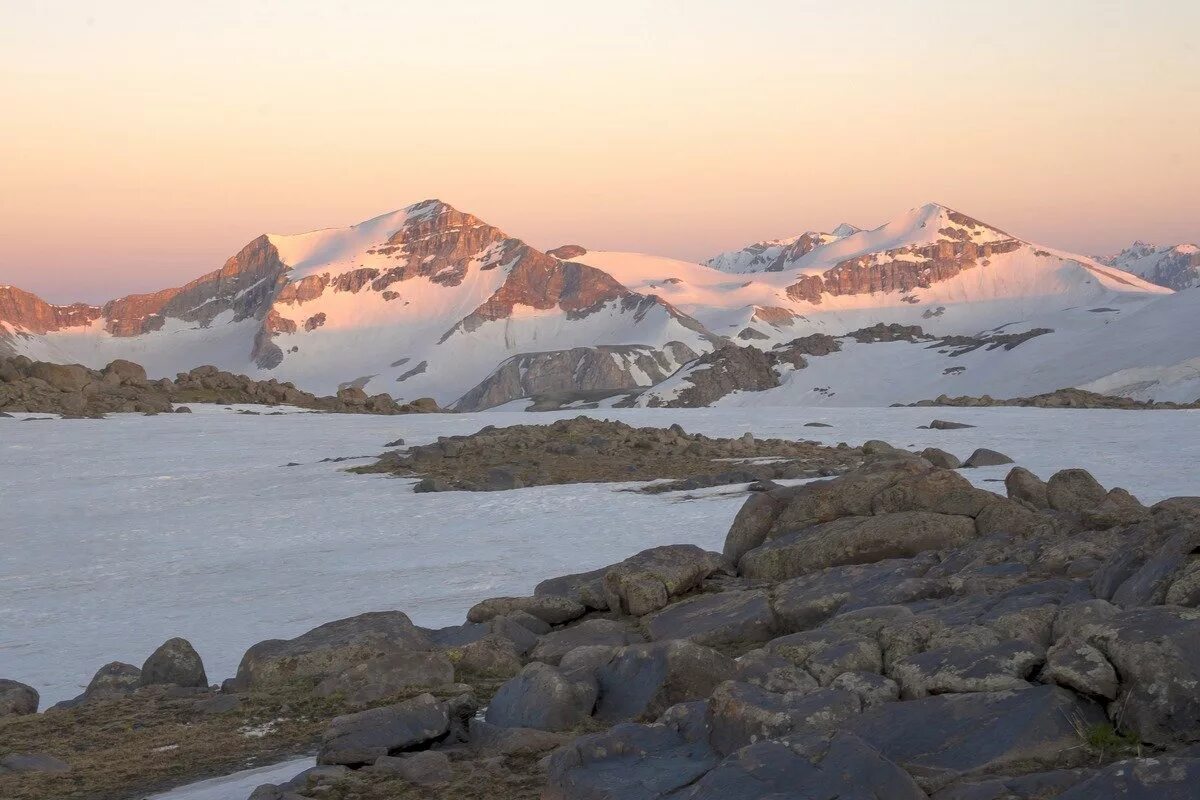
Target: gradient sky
{"type": "Point", "coordinates": [145, 142]}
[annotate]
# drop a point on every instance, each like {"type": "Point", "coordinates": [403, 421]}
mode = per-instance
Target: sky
{"type": "Point", "coordinates": [143, 143]}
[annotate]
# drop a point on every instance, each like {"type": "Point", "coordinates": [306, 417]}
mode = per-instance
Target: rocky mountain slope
{"type": "Point", "coordinates": [431, 301]}
{"type": "Point", "coordinates": [1175, 267]}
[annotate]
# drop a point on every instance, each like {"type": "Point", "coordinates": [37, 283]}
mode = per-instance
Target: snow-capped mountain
{"type": "Point", "coordinates": [431, 301]}
{"type": "Point", "coordinates": [1176, 267]}
{"type": "Point", "coordinates": [777, 255]}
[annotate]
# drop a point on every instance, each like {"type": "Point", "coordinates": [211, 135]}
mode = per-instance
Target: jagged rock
{"type": "Point", "coordinates": [114, 679]}
{"type": "Point", "coordinates": [604, 632]}
{"type": "Point", "coordinates": [427, 768]}
{"type": "Point", "coordinates": [176, 662]}
{"type": "Point", "coordinates": [741, 714]}
{"type": "Point", "coordinates": [646, 582]}
{"type": "Point", "coordinates": [855, 540]}
{"type": "Point", "coordinates": [330, 648]}
{"type": "Point", "coordinates": [940, 458]}
{"type": "Point", "coordinates": [1165, 777]}
{"type": "Point", "coordinates": [984, 457]}
{"type": "Point", "coordinates": [646, 679]}
{"type": "Point", "coordinates": [752, 523]}
{"type": "Point", "coordinates": [726, 369]}
{"type": "Point", "coordinates": [955, 736]}
{"type": "Point", "coordinates": [1023, 485]}
{"type": "Point", "coordinates": [543, 698]}
{"type": "Point", "coordinates": [17, 699]}
{"type": "Point", "coordinates": [387, 675]}
{"type": "Point", "coordinates": [715, 619]}
{"type": "Point", "coordinates": [1002, 666]}
{"type": "Point", "coordinates": [1074, 490]}
{"type": "Point", "coordinates": [552, 609]}
{"type": "Point", "coordinates": [361, 738]}
{"type": "Point", "coordinates": [627, 762]}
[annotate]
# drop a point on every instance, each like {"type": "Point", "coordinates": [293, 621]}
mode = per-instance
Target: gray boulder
{"type": "Point", "coordinates": [175, 662]}
{"type": "Point", "coordinates": [740, 714]}
{"type": "Point", "coordinates": [490, 657]}
{"type": "Point", "coordinates": [543, 698]}
{"type": "Point", "coordinates": [647, 581]}
{"type": "Point", "coordinates": [872, 689]}
{"type": "Point", "coordinates": [17, 699]}
{"type": "Point", "coordinates": [114, 679]}
{"type": "Point", "coordinates": [387, 675]}
{"type": "Point", "coordinates": [715, 619]}
{"type": "Point", "coordinates": [984, 457]}
{"type": "Point", "coordinates": [357, 739]}
{"type": "Point", "coordinates": [589, 633]}
{"type": "Point", "coordinates": [552, 609]}
{"type": "Point", "coordinates": [427, 768]}
{"type": "Point", "coordinates": [330, 648]}
{"type": "Point", "coordinates": [824, 766]}
{"type": "Point", "coordinates": [627, 762]}
{"type": "Point", "coordinates": [1005, 665]}
{"type": "Point", "coordinates": [1079, 666]}
{"type": "Point", "coordinates": [1074, 490]}
{"type": "Point", "coordinates": [1165, 777]}
{"type": "Point", "coordinates": [494, 740]}
{"type": "Point", "coordinates": [828, 652]}
{"type": "Point", "coordinates": [643, 680]}
{"type": "Point", "coordinates": [807, 601]}
{"type": "Point", "coordinates": [855, 540]}
{"type": "Point", "coordinates": [584, 587]}
{"type": "Point", "coordinates": [940, 458]}
{"type": "Point", "coordinates": [773, 673]}
{"type": "Point", "coordinates": [948, 737]}
{"type": "Point", "coordinates": [1026, 487]}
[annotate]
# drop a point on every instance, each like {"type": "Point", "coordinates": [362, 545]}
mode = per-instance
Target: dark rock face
{"type": "Point", "coordinates": [361, 738]}
{"type": "Point", "coordinates": [643, 680]}
{"type": "Point", "coordinates": [37, 316]}
{"type": "Point", "coordinates": [174, 662]}
{"type": "Point", "coordinates": [1161, 778]}
{"type": "Point", "coordinates": [716, 619]}
{"type": "Point", "coordinates": [17, 699]}
{"type": "Point", "coordinates": [574, 371]}
{"type": "Point", "coordinates": [724, 370]}
{"type": "Point", "coordinates": [543, 698]}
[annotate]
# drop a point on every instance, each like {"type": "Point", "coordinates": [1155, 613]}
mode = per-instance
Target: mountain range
{"type": "Point", "coordinates": [432, 301]}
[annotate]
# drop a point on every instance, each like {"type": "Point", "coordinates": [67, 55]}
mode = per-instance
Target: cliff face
{"type": "Point", "coordinates": [35, 315]}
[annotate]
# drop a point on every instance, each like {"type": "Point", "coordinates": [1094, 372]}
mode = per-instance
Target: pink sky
{"type": "Point", "coordinates": [144, 143]}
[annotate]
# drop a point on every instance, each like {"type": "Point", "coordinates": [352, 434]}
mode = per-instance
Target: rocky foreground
{"type": "Point", "coordinates": [891, 633]}
{"type": "Point", "coordinates": [73, 390]}
{"type": "Point", "coordinates": [1059, 398]}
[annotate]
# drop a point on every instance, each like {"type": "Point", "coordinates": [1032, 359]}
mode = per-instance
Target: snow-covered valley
{"type": "Point", "coordinates": [123, 532]}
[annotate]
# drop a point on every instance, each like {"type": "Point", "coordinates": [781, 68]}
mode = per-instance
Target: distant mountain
{"type": "Point", "coordinates": [1174, 266]}
{"type": "Point", "coordinates": [432, 301]}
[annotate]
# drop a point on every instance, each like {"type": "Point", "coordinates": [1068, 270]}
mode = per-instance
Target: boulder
{"type": "Point", "coordinates": [114, 679]}
{"type": "Point", "coordinates": [647, 581]}
{"type": "Point", "coordinates": [1163, 777]}
{"type": "Point", "coordinates": [941, 491]}
{"type": "Point", "coordinates": [627, 762]}
{"type": "Point", "coordinates": [543, 698]}
{"type": "Point", "coordinates": [741, 714]}
{"type": "Point", "coordinates": [773, 673]}
{"type": "Point", "coordinates": [492, 739]}
{"type": "Point", "coordinates": [330, 648]}
{"type": "Point", "coordinates": [807, 601]}
{"type": "Point", "coordinates": [940, 458]}
{"type": "Point", "coordinates": [1033, 786]}
{"type": "Point", "coordinates": [589, 633]}
{"type": "Point", "coordinates": [125, 371]}
{"type": "Point", "coordinates": [844, 496]}
{"type": "Point", "coordinates": [361, 738]}
{"type": "Point", "coordinates": [715, 619]}
{"type": "Point", "coordinates": [643, 680]}
{"type": "Point", "coordinates": [828, 652]}
{"type": "Point", "coordinates": [1023, 485]}
{"type": "Point", "coordinates": [17, 699]}
{"type": "Point", "coordinates": [64, 377]}
{"type": "Point", "coordinates": [1074, 490]}
{"type": "Point", "coordinates": [855, 540]}
{"type": "Point", "coordinates": [1005, 665]}
{"type": "Point", "coordinates": [752, 523]}
{"type": "Point", "coordinates": [492, 657]}
{"type": "Point", "coordinates": [946, 737]}
{"type": "Point", "coordinates": [1079, 666]}
{"type": "Point", "coordinates": [984, 457]}
{"type": "Point", "coordinates": [815, 765]}
{"type": "Point", "coordinates": [388, 675]}
{"type": "Point", "coordinates": [872, 689]}
{"type": "Point", "coordinates": [175, 662]}
{"type": "Point", "coordinates": [584, 587]}
{"type": "Point", "coordinates": [552, 609]}
{"type": "Point", "coordinates": [947, 425]}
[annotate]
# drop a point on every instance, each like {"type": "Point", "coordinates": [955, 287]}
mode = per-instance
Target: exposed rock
{"type": "Point", "coordinates": [1073, 490]}
{"type": "Point", "coordinates": [940, 458]}
{"type": "Point", "coordinates": [715, 619]}
{"type": "Point", "coordinates": [1080, 667]}
{"type": "Point", "coordinates": [17, 699]}
{"type": "Point", "coordinates": [356, 739]}
{"type": "Point", "coordinates": [643, 680]}
{"type": "Point", "coordinates": [1002, 666]}
{"type": "Point", "coordinates": [541, 697]}
{"type": "Point", "coordinates": [175, 662]}
{"type": "Point", "coordinates": [1158, 778]}
{"type": "Point", "coordinates": [984, 457]}
{"type": "Point", "coordinates": [872, 689]}
{"type": "Point", "coordinates": [427, 768]}
{"type": "Point", "coordinates": [946, 425]}
{"type": "Point", "coordinates": [646, 582]}
{"type": "Point", "coordinates": [554, 610]}
{"type": "Point", "coordinates": [387, 675]}
{"type": "Point", "coordinates": [491, 656]}
{"type": "Point", "coordinates": [1023, 485]}
{"type": "Point", "coordinates": [589, 633]}
{"type": "Point", "coordinates": [113, 680]}
{"type": "Point", "coordinates": [726, 369]}
{"type": "Point", "coordinates": [807, 601]}
{"type": "Point", "coordinates": [741, 714]}
{"type": "Point", "coordinates": [513, 741]}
